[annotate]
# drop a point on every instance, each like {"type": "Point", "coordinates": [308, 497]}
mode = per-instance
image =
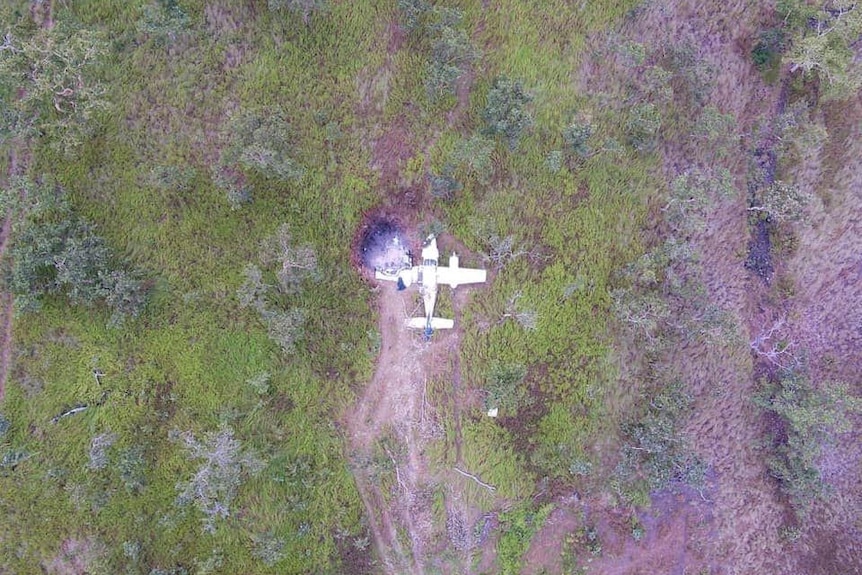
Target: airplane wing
{"type": "Point", "coordinates": [460, 276]}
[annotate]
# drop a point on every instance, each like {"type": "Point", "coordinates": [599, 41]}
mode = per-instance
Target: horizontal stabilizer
{"type": "Point", "coordinates": [436, 323]}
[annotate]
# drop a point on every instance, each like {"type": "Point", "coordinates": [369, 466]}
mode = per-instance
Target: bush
{"type": "Point", "coordinates": [576, 135]}
{"type": "Point", "coordinates": [505, 389]}
{"type": "Point", "coordinates": [268, 548]}
{"type": "Point", "coordinates": [257, 142]}
{"type": "Point", "coordinates": [642, 126]}
{"type": "Point", "coordinates": [413, 13]}
{"type": "Point", "coordinates": [163, 21]}
{"type": "Point", "coordinates": [171, 178]}
{"type": "Point", "coordinates": [224, 465]}
{"type": "Point", "coordinates": [451, 52]}
{"type": "Point", "coordinates": [653, 456]}
{"type": "Point", "coordinates": [296, 265]}
{"type": "Point", "coordinates": [55, 252]}
{"type": "Point", "coordinates": [506, 114]}
{"type": "Point", "coordinates": [807, 417]}
{"type": "Point", "coordinates": [766, 54]}
{"type": "Point", "coordinates": [444, 186]}
{"type": "Point", "coordinates": [781, 202]}
{"type": "Point", "coordinates": [517, 528]}
{"type": "Point", "coordinates": [49, 78]}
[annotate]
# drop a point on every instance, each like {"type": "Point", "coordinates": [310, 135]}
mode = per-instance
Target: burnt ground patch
{"type": "Point", "coordinates": [382, 245]}
{"type": "Point", "coordinates": [759, 258]}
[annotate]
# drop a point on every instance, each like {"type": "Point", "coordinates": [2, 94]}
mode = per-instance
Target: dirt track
{"type": "Point", "coordinates": [393, 404]}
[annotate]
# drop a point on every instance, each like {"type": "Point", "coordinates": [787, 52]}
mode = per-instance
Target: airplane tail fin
{"type": "Point", "coordinates": [436, 323]}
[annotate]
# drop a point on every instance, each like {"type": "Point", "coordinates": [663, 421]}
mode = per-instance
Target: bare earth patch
{"type": "Point", "coordinates": [76, 557]}
{"type": "Point", "coordinates": [395, 403]}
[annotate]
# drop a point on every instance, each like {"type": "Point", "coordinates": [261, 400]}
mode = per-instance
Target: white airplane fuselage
{"type": "Point", "coordinates": [428, 279]}
{"type": "Point", "coordinates": [428, 275]}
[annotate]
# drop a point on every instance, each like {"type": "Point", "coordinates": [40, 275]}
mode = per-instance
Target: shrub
{"type": "Point", "coordinates": [224, 465]}
{"type": "Point", "coordinates": [576, 135]}
{"type": "Point", "coordinates": [268, 548]}
{"type": "Point", "coordinates": [55, 252]}
{"type": "Point", "coordinates": [517, 528]}
{"type": "Point", "coordinates": [781, 202]}
{"type": "Point", "coordinates": [171, 178]}
{"type": "Point", "coordinates": [642, 126]}
{"type": "Point", "coordinates": [296, 266]}
{"type": "Point", "coordinates": [451, 52]}
{"type": "Point", "coordinates": [132, 468]}
{"type": "Point", "coordinates": [444, 186]}
{"type": "Point", "coordinates": [285, 327]}
{"type": "Point", "coordinates": [653, 455]}
{"type": "Point", "coordinates": [766, 54]}
{"type": "Point", "coordinates": [413, 13]}
{"type": "Point", "coordinates": [505, 389]}
{"type": "Point", "coordinates": [506, 111]}
{"type": "Point", "coordinates": [163, 21]}
{"type": "Point", "coordinates": [49, 77]}
{"type": "Point", "coordinates": [474, 155]}
{"type": "Point", "coordinates": [807, 416]}
{"type": "Point", "coordinates": [297, 263]}
{"type": "Point", "coordinates": [99, 450]}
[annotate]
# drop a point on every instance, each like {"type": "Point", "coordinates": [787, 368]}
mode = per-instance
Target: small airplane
{"type": "Point", "coordinates": [428, 276]}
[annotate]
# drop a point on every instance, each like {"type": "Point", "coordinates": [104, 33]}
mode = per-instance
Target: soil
{"type": "Point", "coordinates": [76, 557]}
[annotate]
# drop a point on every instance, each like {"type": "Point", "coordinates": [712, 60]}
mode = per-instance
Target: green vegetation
{"type": "Point", "coordinates": [803, 418]}
{"type": "Point", "coordinates": [825, 50]}
{"type": "Point", "coordinates": [518, 527]}
{"type": "Point", "coordinates": [56, 252]}
{"type": "Point", "coordinates": [186, 181]}
{"type": "Point", "coordinates": [172, 407]}
{"type": "Point", "coordinates": [653, 456]}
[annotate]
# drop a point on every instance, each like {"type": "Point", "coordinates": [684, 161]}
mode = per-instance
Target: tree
{"type": "Point", "coordinates": [691, 194]}
{"type": "Point", "coordinates": [809, 416]}
{"type": "Point", "coordinates": [55, 252]}
{"type": "Point", "coordinates": [451, 52]}
{"type": "Point", "coordinates": [46, 85]}
{"type": "Point", "coordinates": [825, 50]}
{"type": "Point", "coordinates": [506, 111]}
{"type": "Point", "coordinates": [224, 464]}
{"type": "Point", "coordinates": [257, 142]}
{"type": "Point", "coordinates": [262, 141]}
{"type": "Point", "coordinates": [654, 454]}
{"type": "Point", "coordinates": [642, 126]}
{"type": "Point", "coordinates": [297, 263]}
{"type": "Point", "coordinates": [781, 202]}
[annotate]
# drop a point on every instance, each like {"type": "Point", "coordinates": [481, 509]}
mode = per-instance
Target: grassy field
{"type": "Point", "coordinates": [186, 363]}
{"type": "Point", "coordinates": [231, 138]}
{"type": "Point", "coordinates": [189, 363]}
